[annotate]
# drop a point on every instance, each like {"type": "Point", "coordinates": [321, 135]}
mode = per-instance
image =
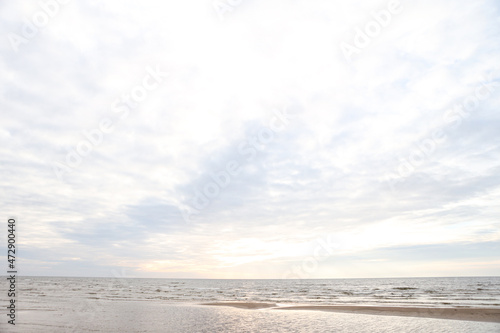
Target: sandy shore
{"type": "Point", "coordinates": [474, 314]}
{"type": "Point", "coordinates": [479, 314]}
{"type": "Point", "coordinates": [244, 305]}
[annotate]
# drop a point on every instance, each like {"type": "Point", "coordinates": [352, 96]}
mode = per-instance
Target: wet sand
{"type": "Point", "coordinates": [244, 305]}
{"type": "Point", "coordinates": [471, 314]}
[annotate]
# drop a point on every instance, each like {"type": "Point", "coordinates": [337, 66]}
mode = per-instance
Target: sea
{"type": "Point", "coordinates": [70, 304]}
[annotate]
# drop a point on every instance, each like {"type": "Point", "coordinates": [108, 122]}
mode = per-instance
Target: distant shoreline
{"type": "Point", "coordinates": [469, 314]}
{"type": "Point", "coordinates": [257, 279]}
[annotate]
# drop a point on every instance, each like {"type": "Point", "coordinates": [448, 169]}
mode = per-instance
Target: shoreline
{"type": "Point", "coordinates": [469, 314]}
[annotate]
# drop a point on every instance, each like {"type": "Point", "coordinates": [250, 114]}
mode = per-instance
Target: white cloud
{"type": "Point", "coordinates": [323, 174]}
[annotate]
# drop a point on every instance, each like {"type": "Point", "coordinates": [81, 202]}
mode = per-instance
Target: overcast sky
{"type": "Point", "coordinates": [251, 139]}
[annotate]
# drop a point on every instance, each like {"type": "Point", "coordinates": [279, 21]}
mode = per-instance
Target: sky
{"type": "Point", "coordinates": [251, 139]}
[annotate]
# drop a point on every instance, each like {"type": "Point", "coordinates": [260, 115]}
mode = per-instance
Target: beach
{"type": "Point", "coordinates": [473, 314]}
{"type": "Point", "coordinates": [156, 317]}
{"type": "Point", "coordinates": [73, 305]}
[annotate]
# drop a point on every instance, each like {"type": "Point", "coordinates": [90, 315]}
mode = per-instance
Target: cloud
{"type": "Point", "coordinates": [376, 152]}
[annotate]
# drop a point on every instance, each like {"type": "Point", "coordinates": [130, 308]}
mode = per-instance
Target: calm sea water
{"type": "Point", "coordinates": [54, 304]}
